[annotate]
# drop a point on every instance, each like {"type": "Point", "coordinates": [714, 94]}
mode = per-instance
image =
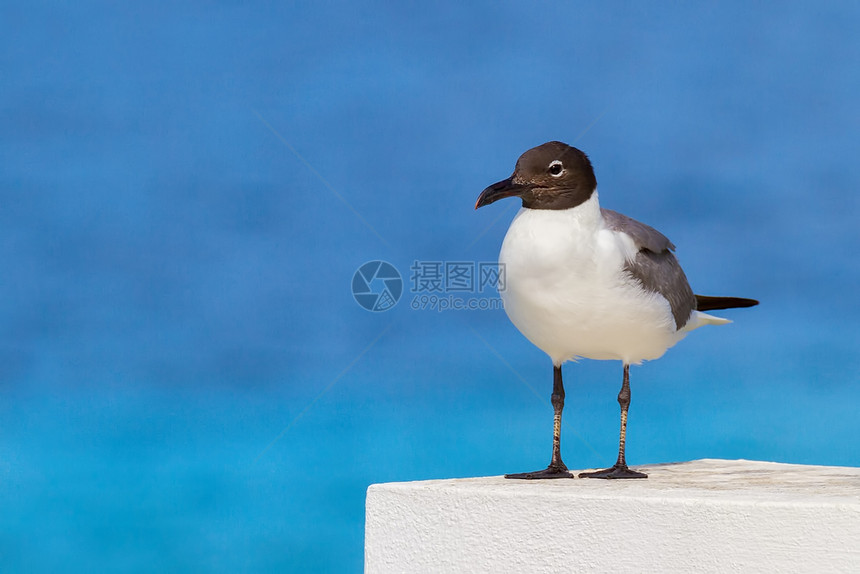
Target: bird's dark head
{"type": "Point", "coordinates": [551, 176]}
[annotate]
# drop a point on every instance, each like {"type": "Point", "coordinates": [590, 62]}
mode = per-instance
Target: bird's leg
{"type": "Point", "coordinates": [620, 469]}
{"type": "Point", "coordinates": [557, 400]}
{"type": "Point", "coordinates": [556, 468]}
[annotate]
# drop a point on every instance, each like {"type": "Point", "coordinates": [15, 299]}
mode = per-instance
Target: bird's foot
{"type": "Point", "coordinates": [552, 471]}
{"type": "Point", "coordinates": [614, 472]}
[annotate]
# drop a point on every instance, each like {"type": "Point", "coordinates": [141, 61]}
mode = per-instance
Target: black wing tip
{"type": "Point", "coordinates": [706, 303]}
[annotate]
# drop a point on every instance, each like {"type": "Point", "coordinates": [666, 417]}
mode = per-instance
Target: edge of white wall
{"type": "Point", "coordinates": [700, 516]}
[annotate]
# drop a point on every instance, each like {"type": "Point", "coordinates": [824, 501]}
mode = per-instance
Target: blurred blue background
{"type": "Point", "coordinates": [186, 383]}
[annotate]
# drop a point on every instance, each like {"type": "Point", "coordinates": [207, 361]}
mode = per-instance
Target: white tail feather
{"type": "Point", "coordinates": [699, 319]}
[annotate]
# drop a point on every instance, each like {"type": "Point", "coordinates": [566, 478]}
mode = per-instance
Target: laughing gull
{"type": "Point", "coordinates": [587, 282]}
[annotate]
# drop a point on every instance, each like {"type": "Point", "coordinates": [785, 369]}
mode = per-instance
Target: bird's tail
{"type": "Point", "coordinates": [705, 303]}
{"type": "Point", "coordinates": [699, 319]}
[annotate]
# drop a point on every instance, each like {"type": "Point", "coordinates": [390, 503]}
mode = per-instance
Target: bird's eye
{"type": "Point", "coordinates": [555, 168]}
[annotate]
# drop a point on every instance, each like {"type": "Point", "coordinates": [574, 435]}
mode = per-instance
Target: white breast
{"type": "Point", "coordinates": [567, 292]}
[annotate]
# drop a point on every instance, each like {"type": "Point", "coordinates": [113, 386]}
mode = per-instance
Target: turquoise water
{"type": "Point", "coordinates": [186, 383]}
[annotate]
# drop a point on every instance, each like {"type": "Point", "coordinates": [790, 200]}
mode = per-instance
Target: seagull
{"type": "Point", "coordinates": [581, 281]}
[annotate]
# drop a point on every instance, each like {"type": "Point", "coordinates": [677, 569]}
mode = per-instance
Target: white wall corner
{"type": "Point", "coordinates": [699, 516]}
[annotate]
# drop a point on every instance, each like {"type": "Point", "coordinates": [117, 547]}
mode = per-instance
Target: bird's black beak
{"type": "Point", "coordinates": [500, 190]}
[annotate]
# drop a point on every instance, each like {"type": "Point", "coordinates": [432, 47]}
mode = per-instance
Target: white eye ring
{"type": "Point", "coordinates": [555, 168]}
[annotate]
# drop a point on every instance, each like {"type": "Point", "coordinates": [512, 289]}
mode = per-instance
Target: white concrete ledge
{"type": "Point", "coordinates": [699, 516]}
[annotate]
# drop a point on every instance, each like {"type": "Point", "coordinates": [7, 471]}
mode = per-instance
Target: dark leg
{"type": "Point", "coordinates": [620, 469]}
{"type": "Point", "coordinates": [556, 468]}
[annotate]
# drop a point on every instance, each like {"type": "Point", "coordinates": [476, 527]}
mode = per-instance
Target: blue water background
{"type": "Point", "coordinates": [186, 189]}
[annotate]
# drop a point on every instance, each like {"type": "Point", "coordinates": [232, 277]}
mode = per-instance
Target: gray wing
{"type": "Point", "coordinates": [655, 266]}
{"type": "Point", "coordinates": [644, 235]}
